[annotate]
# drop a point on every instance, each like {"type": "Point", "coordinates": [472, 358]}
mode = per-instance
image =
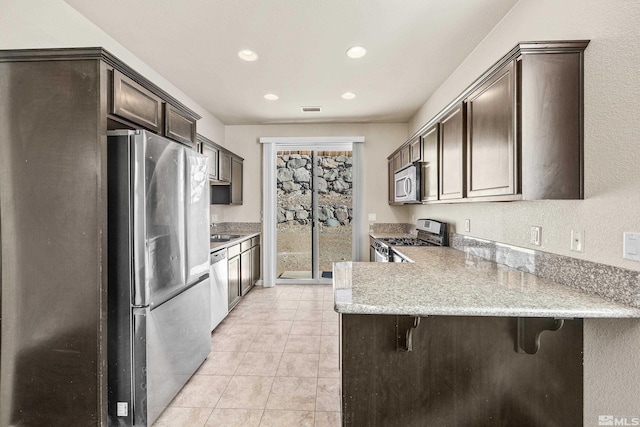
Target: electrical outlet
{"type": "Point", "coordinates": [122, 409]}
{"type": "Point", "coordinates": [536, 235]}
{"type": "Point", "coordinates": [577, 240]}
{"type": "Point", "coordinates": [467, 225]}
{"type": "Point", "coordinates": [214, 218]}
{"type": "Point", "coordinates": [631, 246]}
{"type": "Point", "coordinates": [413, 219]}
{"type": "Point", "coordinates": [372, 217]}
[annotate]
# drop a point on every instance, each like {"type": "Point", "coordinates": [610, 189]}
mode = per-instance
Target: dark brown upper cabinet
{"type": "Point", "coordinates": [391, 192]}
{"type": "Point", "coordinates": [209, 149]}
{"type": "Point", "coordinates": [516, 133]}
{"type": "Point", "coordinates": [236, 180]}
{"type": "Point", "coordinates": [452, 154]}
{"type": "Point", "coordinates": [224, 168]}
{"type": "Point", "coordinates": [136, 104]}
{"type": "Point", "coordinates": [397, 161]}
{"type": "Point", "coordinates": [491, 138]}
{"type": "Point", "coordinates": [227, 188]}
{"type": "Point", "coordinates": [429, 175]}
{"type": "Point", "coordinates": [551, 127]}
{"type": "Point", "coordinates": [179, 126]}
{"type": "Point", "coordinates": [405, 155]}
{"type": "Point", "coordinates": [415, 150]}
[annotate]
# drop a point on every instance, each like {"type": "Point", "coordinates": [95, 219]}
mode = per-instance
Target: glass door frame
{"type": "Point", "coordinates": [271, 146]}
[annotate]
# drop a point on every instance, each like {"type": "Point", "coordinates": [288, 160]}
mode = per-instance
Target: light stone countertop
{"type": "Point", "coordinates": [447, 282]}
{"type": "Point", "coordinates": [216, 246]}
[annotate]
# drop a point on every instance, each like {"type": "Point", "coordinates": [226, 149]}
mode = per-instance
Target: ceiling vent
{"type": "Point", "coordinates": [311, 109]}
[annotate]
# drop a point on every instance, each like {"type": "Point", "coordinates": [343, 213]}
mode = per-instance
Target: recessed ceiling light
{"type": "Point", "coordinates": [271, 97]}
{"type": "Point", "coordinates": [348, 95]}
{"type": "Point", "coordinates": [248, 55]}
{"type": "Point", "coordinates": [356, 52]}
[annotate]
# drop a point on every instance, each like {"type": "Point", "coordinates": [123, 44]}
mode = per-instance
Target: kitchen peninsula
{"type": "Point", "coordinates": [453, 339]}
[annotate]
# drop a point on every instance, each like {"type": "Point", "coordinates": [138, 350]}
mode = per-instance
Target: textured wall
{"type": "Point", "coordinates": [612, 175]}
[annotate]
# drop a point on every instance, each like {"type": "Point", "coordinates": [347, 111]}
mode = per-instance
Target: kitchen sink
{"type": "Point", "coordinates": [216, 238]}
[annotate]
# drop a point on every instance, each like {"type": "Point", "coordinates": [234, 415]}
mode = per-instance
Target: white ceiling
{"type": "Point", "coordinates": [413, 46]}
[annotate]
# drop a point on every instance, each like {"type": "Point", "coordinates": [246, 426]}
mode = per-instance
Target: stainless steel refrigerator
{"type": "Point", "coordinates": [158, 324]}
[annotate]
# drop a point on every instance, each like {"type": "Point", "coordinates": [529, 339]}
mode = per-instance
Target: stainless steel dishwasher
{"type": "Point", "coordinates": [219, 277]}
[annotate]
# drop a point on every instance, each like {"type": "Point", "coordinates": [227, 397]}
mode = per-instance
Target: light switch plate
{"type": "Point", "coordinates": [536, 235]}
{"type": "Point", "coordinates": [631, 246]}
{"type": "Point", "coordinates": [577, 240]}
{"type": "Point", "coordinates": [372, 217]}
{"type": "Point", "coordinates": [467, 225]}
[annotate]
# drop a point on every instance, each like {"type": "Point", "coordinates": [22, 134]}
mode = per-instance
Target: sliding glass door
{"type": "Point", "coordinates": [314, 213]}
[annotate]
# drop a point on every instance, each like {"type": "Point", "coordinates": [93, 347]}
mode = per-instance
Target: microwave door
{"type": "Point", "coordinates": [407, 187]}
{"type": "Point", "coordinates": [400, 189]}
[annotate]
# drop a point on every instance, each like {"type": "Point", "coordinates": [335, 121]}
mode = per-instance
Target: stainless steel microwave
{"type": "Point", "coordinates": [407, 184]}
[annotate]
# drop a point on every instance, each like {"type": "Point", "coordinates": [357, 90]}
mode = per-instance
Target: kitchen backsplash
{"type": "Point", "coordinates": [609, 282]}
{"type": "Point", "coordinates": [236, 227]}
{"type": "Point", "coordinates": [383, 227]}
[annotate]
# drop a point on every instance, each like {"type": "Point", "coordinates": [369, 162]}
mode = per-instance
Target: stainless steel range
{"type": "Point", "coordinates": [430, 233]}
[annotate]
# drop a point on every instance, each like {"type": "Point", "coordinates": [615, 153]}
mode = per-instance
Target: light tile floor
{"type": "Point", "coordinates": [274, 362]}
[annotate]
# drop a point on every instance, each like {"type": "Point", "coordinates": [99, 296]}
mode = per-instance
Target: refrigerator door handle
{"type": "Point", "coordinates": [140, 244]}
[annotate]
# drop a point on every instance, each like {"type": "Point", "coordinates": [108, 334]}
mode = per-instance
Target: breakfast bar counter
{"type": "Point", "coordinates": [453, 339]}
{"type": "Point", "coordinates": [445, 281]}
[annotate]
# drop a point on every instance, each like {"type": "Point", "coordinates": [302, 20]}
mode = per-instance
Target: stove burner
{"type": "Point", "coordinates": [405, 241]}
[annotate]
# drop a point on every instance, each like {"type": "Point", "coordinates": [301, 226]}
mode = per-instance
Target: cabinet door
{"type": "Point", "coordinates": [255, 264]}
{"type": "Point", "coordinates": [406, 155]}
{"type": "Point", "coordinates": [397, 161]}
{"type": "Point", "coordinates": [491, 152]}
{"type": "Point", "coordinates": [179, 126]}
{"type": "Point", "coordinates": [234, 281]}
{"type": "Point", "coordinates": [452, 154]}
{"type": "Point", "coordinates": [392, 187]}
{"type": "Point", "coordinates": [429, 174]}
{"type": "Point", "coordinates": [415, 152]}
{"type": "Point", "coordinates": [551, 93]}
{"type": "Point", "coordinates": [224, 169]}
{"type": "Point", "coordinates": [135, 103]}
{"type": "Point", "coordinates": [236, 181]}
{"type": "Point", "coordinates": [245, 272]}
{"type": "Point", "coordinates": [212, 154]}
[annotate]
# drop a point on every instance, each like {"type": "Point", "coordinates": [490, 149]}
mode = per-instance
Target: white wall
{"type": "Point", "coordinates": [612, 174]}
{"type": "Point", "coordinates": [29, 24]}
{"type": "Point", "coordinates": [380, 140]}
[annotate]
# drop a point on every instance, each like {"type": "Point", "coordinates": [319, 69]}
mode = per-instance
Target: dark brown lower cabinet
{"type": "Point", "coordinates": [234, 281]}
{"type": "Point", "coordinates": [244, 268]}
{"type": "Point", "coordinates": [245, 272]}
{"type": "Point", "coordinates": [255, 262]}
{"type": "Point", "coordinates": [462, 371]}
